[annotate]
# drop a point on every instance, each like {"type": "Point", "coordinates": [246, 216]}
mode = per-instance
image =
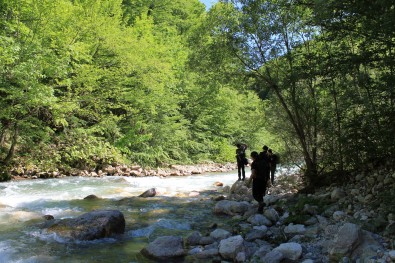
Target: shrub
{"type": "Point", "coordinates": [4, 175]}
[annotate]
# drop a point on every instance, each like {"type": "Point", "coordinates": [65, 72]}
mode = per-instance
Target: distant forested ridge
{"type": "Point", "coordinates": [89, 82]}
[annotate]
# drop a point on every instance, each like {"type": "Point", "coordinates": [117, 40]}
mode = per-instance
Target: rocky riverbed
{"type": "Point", "coordinates": [349, 223]}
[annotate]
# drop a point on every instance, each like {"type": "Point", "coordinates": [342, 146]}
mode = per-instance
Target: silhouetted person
{"type": "Point", "coordinates": [264, 156]}
{"type": "Point", "coordinates": [241, 160]}
{"type": "Point", "coordinates": [259, 179]}
{"type": "Point", "coordinates": [273, 158]}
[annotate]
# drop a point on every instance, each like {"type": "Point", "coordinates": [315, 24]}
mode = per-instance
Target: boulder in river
{"type": "Point", "coordinates": [149, 193]}
{"type": "Point", "coordinates": [48, 217]}
{"type": "Point", "coordinates": [91, 197]}
{"type": "Point", "coordinates": [89, 226]}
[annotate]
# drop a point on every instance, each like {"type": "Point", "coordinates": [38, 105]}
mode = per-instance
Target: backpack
{"type": "Point", "coordinates": [276, 158]}
{"type": "Point", "coordinates": [241, 156]}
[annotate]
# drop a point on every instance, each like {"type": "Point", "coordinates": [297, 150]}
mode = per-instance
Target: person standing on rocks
{"type": "Point", "coordinates": [264, 157]}
{"type": "Point", "coordinates": [259, 179]}
{"type": "Point", "coordinates": [241, 160]}
{"type": "Point", "coordinates": [264, 154]}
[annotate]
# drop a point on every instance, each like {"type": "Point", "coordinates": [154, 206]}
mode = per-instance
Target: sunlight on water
{"type": "Point", "coordinates": [24, 193]}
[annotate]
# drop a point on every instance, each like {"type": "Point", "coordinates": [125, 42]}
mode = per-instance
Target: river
{"type": "Point", "coordinates": [173, 211]}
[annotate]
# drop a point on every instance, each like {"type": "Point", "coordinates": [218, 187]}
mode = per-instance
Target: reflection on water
{"type": "Point", "coordinates": [172, 211]}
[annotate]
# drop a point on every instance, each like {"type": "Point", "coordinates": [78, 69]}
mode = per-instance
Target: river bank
{"type": "Point", "coordinates": [337, 223]}
{"type": "Point", "coordinates": [23, 173]}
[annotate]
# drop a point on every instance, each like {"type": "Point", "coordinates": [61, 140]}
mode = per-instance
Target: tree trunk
{"type": "Point", "coordinates": [11, 151]}
{"type": "Point", "coordinates": [311, 163]}
{"type": "Point", "coordinates": [5, 126]}
{"type": "Point", "coordinates": [338, 128]}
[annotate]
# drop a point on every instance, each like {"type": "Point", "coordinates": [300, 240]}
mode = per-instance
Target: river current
{"type": "Point", "coordinates": [181, 206]}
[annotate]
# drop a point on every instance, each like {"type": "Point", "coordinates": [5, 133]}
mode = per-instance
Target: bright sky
{"type": "Point", "coordinates": [208, 3]}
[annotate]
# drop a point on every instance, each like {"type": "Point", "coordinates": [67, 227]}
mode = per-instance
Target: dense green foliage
{"type": "Point", "coordinates": [327, 68]}
{"type": "Point", "coordinates": [84, 83]}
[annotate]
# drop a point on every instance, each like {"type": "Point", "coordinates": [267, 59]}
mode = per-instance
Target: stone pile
{"type": "Point", "coordinates": [369, 200]}
{"type": "Point", "coordinates": [331, 225]}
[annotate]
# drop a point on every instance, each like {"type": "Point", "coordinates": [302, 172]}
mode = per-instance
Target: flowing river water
{"type": "Point", "coordinates": [176, 210]}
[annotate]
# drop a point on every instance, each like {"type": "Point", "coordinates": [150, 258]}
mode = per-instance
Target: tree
{"type": "Point", "coordinates": [328, 64]}
{"type": "Point", "coordinates": [358, 40]}
{"type": "Point", "coordinates": [270, 39]}
{"type": "Point", "coordinates": [86, 83]}
{"type": "Point", "coordinates": [27, 102]}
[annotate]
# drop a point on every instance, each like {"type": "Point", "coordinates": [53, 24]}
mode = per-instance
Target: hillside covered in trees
{"type": "Point", "coordinates": [85, 83]}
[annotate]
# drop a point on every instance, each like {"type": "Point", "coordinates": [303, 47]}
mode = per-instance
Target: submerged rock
{"type": "Point", "coordinates": [89, 226]}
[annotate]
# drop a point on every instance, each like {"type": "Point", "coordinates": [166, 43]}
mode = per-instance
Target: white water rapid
{"type": "Point", "coordinates": [24, 203]}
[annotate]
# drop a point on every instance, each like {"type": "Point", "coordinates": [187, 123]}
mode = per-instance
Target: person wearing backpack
{"type": "Point", "coordinates": [259, 179]}
{"type": "Point", "coordinates": [264, 158]}
{"type": "Point", "coordinates": [241, 160]}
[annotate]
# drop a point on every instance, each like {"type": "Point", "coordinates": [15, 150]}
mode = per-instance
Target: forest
{"type": "Point", "coordinates": [84, 83]}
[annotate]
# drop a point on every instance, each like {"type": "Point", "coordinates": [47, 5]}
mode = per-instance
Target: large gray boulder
{"type": "Point", "coordinates": [219, 234]}
{"type": "Point", "coordinates": [271, 214]}
{"type": "Point", "coordinates": [149, 193]}
{"type": "Point", "coordinates": [367, 248]}
{"type": "Point", "coordinates": [346, 240]}
{"type": "Point", "coordinates": [337, 194]}
{"type": "Point", "coordinates": [290, 250]}
{"type": "Point", "coordinates": [295, 229]}
{"type": "Point", "coordinates": [89, 226]}
{"type": "Point", "coordinates": [239, 187]}
{"type": "Point", "coordinates": [193, 238]}
{"type": "Point", "coordinates": [230, 207]}
{"type": "Point", "coordinates": [165, 248]}
{"type": "Point", "coordinates": [256, 234]}
{"type": "Point", "coordinates": [259, 220]}
{"type": "Point", "coordinates": [230, 247]}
